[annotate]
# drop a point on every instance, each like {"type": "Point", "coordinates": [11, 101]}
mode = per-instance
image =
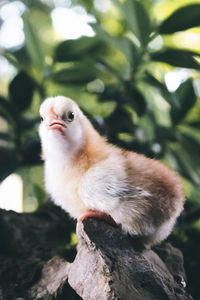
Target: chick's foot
{"type": "Point", "coordinates": [97, 214]}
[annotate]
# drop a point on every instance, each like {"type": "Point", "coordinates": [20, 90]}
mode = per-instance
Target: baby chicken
{"type": "Point", "coordinates": [87, 176]}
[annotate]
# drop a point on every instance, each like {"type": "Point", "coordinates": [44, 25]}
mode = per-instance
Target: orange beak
{"type": "Point", "coordinates": [55, 122]}
{"type": "Point", "coordinates": [53, 115]}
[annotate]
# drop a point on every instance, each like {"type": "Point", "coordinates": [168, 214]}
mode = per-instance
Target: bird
{"type": "Point", "coordinates": [89, 177]}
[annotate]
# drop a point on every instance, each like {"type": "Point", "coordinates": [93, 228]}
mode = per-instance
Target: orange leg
{"type": "Point", "coordinates": [97, 214]}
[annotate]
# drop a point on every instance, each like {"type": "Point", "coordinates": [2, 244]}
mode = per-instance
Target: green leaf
{"type": "Point", "coordinates": [31, 151]}
{"type": "Point", "coordinates": [149, 78]}
{"type": "Point", "coordinates": [183, 164]}
{"type": "Point", "coordinates": [161, 87]}
{"type": "Point", "coordinates": [103, 66]}
{"type": "Point", "coordinates": [6, 109]}
{"type": "Point", "coordinates": [193, 215]}
{"type": "Point", "coordinates": [164, 134]}
{"type": "Point", "coordinates": [21, 91]}
{"type": "Point", "coordinates": [5, 136]}
{"type": "Point", "coordinates": [177, 58]}
{"type": "Point", "coordinates": [20, 58]}
{"type": "Point", "coordinates": [4, 104]}
{"type": "Point", "coordinates": [37, 4]}
{"type": "Point", "coordinates": [123, 44]}
{"type": "Point", "coordinates": [27, 124]}
{"type": "Point", "coordinates": [8, 162]}
{"type": "Point", "coordinates": [187, 156]}
{"type": "Point", "coordinates": [12, 59]}
{"type": "Point", "coordinates": [71, 50]}
{"type": "Point", "coordinates": [137, 101]}
{"type": "Point", "coordinates": [171, 98]}
{"type": "Point", "coordinates": [33, 44]}
{"type": "Point", "coordinates": [195, 124]}
{"type": "Point", "coordinates": [136, 18]}
{"type": "Point", "coordinates": [39, 194]}
{"type": "Point", "coordinates": [121, 120]}
{"type": "Point", "coordinates": [111, 93]}
{"type": "Point", "coordinates": [186, 98]}
{"type": "Point", "coordinates": [76, 75]}
{"type": "Point", "coordinates": [182, 19]}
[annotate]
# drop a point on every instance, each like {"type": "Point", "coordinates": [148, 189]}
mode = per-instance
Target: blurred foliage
{"type": "Point", "coordinates": [118, 77]}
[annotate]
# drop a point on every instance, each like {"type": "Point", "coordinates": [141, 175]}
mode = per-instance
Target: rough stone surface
{"type": "Point", "coordinates": [53, 282]}
{"type": "Point", "coordinates": [112, 265]}
{"type": "Point", "coordinates": [27, 242]}
{"type": "Point", "coordinates": [108, 264]}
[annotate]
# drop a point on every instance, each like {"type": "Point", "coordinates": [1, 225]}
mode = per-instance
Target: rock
{"type": "Point", "coordinates": [108, 265]}
{"type": "Point", "coordinates": [111, 265]}
{"type": "Point", "coordinates": [27, 242]}
{"type": "Point", "coordinates": [53, 282]}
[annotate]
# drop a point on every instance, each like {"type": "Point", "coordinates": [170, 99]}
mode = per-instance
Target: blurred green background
{"type": "Point", "coordinates": [134, 69]}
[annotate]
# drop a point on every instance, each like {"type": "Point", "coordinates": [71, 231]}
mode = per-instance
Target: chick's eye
{"type": "Point", "coordinates": [41, 119]}
{"type": "Point", "coordinates": [70, 116]}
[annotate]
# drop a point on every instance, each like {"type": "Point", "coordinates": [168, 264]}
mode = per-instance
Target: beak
{"type": "Point", "coordinates": [53, 115]}
{"type": "Point", "coordinates": [55, 122]}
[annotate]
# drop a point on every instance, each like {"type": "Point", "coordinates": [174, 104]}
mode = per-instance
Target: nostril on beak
{"type": "Point", "coordinates": [53, 115]}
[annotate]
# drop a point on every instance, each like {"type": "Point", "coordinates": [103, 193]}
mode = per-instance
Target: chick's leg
{"type": "Point", "coordinates": [97, 214]}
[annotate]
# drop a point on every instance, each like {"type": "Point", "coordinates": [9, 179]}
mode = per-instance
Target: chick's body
{"type": "Point", "coordinates": [83, 172]}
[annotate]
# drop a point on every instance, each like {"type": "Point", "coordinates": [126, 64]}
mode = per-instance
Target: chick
{"type": "Point", "coordinates": [87, 176]}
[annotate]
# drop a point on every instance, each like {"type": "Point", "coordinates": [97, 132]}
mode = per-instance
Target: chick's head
{"type": "Point", "coordinates": [60, 125]}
